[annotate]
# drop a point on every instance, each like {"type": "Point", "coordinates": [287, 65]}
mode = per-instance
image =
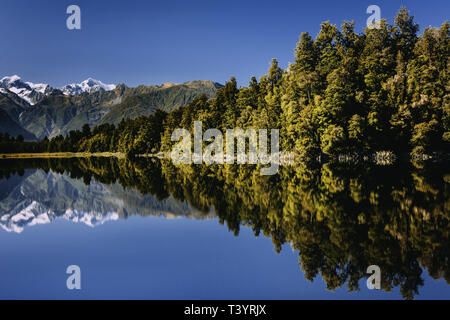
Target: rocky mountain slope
{"type": "Point", "coordinates": [45, 111]}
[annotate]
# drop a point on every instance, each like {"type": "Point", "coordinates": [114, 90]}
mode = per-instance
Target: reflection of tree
{"type": "Point", "coordinates": [340, 221]}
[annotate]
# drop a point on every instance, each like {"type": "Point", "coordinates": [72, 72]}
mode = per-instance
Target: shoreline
{"type": "Point", "coordinates": [379, 157]}
{"type": "Point", "coordinates": [60, 155]}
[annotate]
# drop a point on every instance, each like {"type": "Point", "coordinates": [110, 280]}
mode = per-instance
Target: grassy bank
{"type": "Point", "coordinates": [60, 155]}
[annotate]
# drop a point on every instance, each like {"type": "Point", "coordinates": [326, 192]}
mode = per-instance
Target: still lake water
{"type": "Point", "coordinates": [149, 230]}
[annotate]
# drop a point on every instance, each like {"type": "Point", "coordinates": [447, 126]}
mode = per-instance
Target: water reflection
{"type": "Point", "coordinates": [341, 219]}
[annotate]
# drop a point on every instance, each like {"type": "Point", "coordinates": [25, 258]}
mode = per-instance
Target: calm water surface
{"type": "Point", "coordinates": [149, 230]}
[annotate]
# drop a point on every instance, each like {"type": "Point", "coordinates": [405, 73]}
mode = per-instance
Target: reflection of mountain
{"type": "Point", "coordinates": [42, 197]}
{"type": "Point", "coordinates": [9, 184]}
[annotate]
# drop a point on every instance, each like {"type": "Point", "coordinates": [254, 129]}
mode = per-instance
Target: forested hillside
{"type": "Point", "coordinates": [10, 126]}
{"type": "Point", "coordinates": [383, 89]}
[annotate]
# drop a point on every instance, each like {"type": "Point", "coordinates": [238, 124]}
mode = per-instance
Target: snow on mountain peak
{"type": "Point", "coordinates": [39, 87]}
{"type": "Point", "coordinates": [35, 92]}
{"type": "Point", "coordinates": [10, 79]}
{"type": "Point", "coordinates": [89, 85]}
{"type": "Point", "coordinates": [28, 91]}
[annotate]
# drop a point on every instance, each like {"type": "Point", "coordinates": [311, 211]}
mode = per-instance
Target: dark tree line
{"type": "Point", "coordinates": [137, 136]}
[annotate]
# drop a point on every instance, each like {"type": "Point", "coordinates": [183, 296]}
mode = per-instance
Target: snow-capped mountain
{"type": "Point", "coordinates": [91, 101]}
{"type": "Point", "coordinates": [89, 85]}
{"type": "Point", "coordinates": [32, 93]}
{"type": "Point", "coordinates": [28, 91]}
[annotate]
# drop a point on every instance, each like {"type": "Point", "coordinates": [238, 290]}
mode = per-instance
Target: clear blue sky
{"type": "Point", "coordinates": [151, 42]}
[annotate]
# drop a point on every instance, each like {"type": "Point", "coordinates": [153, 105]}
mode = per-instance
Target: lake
{"type": "Point", "coordinates": [147, 229]}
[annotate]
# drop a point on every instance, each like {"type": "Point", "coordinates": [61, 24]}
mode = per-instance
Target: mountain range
{"type": "Point", "coordinates": [38, 110]}
{"type": "Point", "coordinates": [39, 197]}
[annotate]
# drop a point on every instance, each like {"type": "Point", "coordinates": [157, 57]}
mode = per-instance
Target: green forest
{"type": "Point", "coordinates": [385, 89]}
